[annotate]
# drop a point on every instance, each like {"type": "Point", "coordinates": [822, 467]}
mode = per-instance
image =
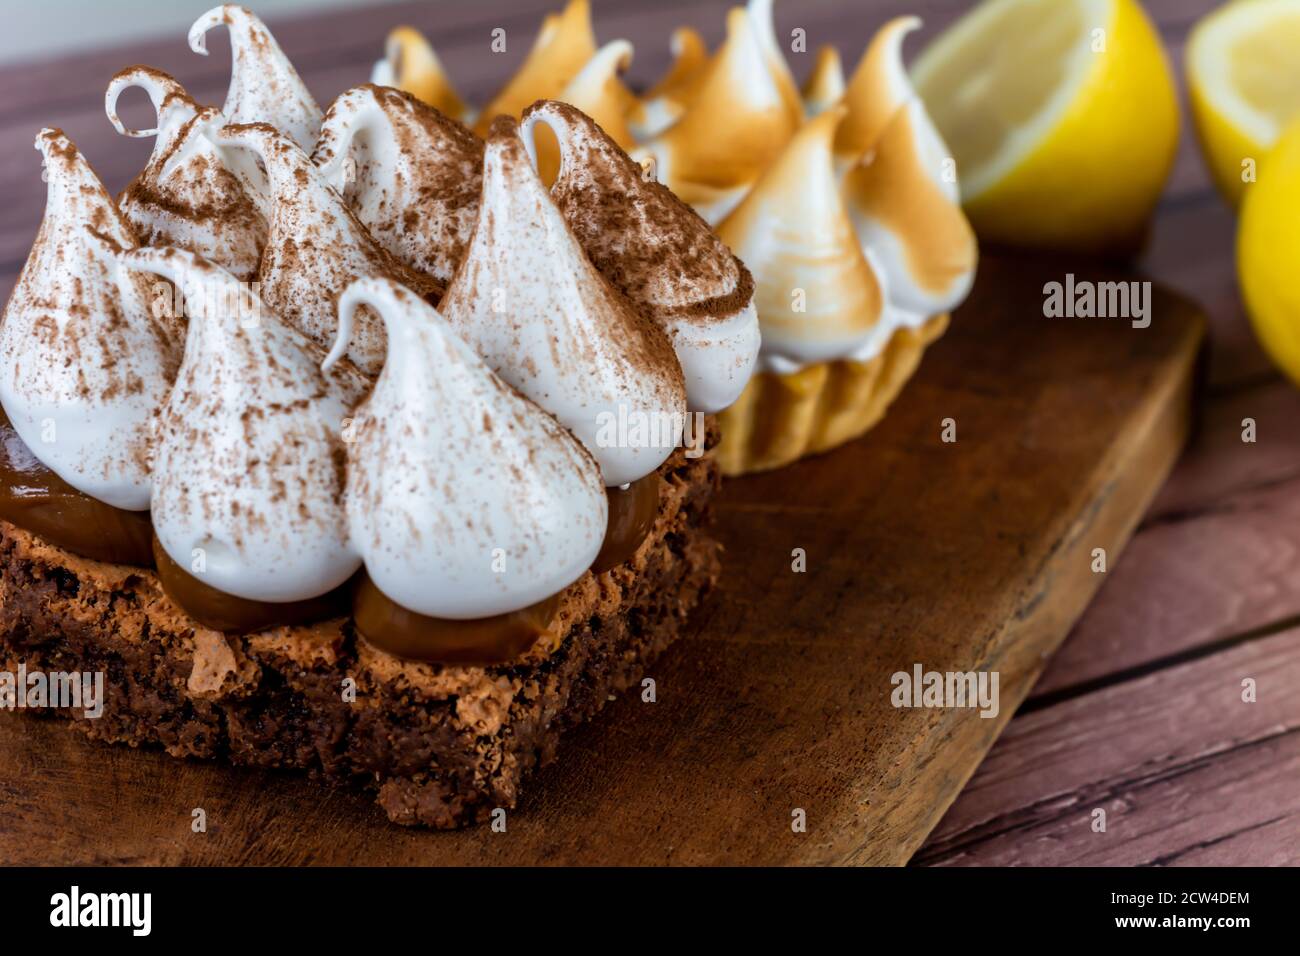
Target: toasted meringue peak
{"type": "Point", "coordinates": [736, 125]}
{"type": "Point", "coordinates": [88, 351]}
{"type": "Point", "coordinates": [316, 246]}
{"type": "Point", "coordinates": [907, 212]}
{"type": "Point", "coordinates": [264, 86]}
{"type": "Point", "coordinates": [530, 301]}
{"type": "Point", "coordinates": [186, 196]}
{"type": "Point", "coordinates": [599, 93]}
{"type": "Point", "coordinates": [818, 296]}
{"type": "Point", "coordinates": [563, 47]}
{"type": "Point", "coordinates": [410, 174]}
{"type": "Point", "coordinates": [248, 476]}
{"type": "Point", "coordinates": [658, 252]}
{"type": "Point", "coordinates": [410, 63]}
{"type": "Point", "coordinates": [665, 102]}
{"type": "Point", "coordinates": [465, 499]}
{"type": "Point", "coordinates": [825, 85]}
{"type": "Point", "coordinates": [877, 89]}
{"type": "Point", "coordinates": [760, 15]}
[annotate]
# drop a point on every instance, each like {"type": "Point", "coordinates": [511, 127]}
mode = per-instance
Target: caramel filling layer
{"type": "Point", "coordinates": [226, 612]}
{"type": "Point", "coordinates": [632, 512]}
{"type": "Point", "coordinates": [485, 640]}
{"type": "Point", "coordinates": [36, 499]}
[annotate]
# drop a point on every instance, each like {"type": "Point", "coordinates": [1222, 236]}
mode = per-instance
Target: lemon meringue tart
{"type": "Point", "coordinates": [352, 441]}
{"type": "Point", "coordinates": [840, 198]}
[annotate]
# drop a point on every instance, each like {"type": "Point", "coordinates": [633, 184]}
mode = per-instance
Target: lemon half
{"type": "Point", "coordinates": [1062, 116]}
{"type": "Point", "coordinates": [1243, 77]}
{"type": "Point", "coordinates": [1268, 253]}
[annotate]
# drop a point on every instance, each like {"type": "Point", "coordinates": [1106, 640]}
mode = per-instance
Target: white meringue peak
{"type": "Point", "coordinates": [543, 318]}
{"type": "Point", "coordinates": [264, 86]}
{"type": "Point", "coordinates": [818, 296]}
{"type": "Point", "coordinates": [411, 64]}
{"type": "Point", "coordinates": [316, 246]}
{"type": "Point", "coordinates": [249, 457]}
{"type": "Point", "coordinates": [88, 352]}
{"type": "Point", "coordinates": [877, 89]}
{"type": "Point", "coordinates": [185, 196]}
{"type": "Point", "coordinates": [904, 203]}
{"type": "Point", "coordinates": [598, 92]}
{"type": "Point", "coordinates": [410, 174]}
{"type": "Point", "coordinates": [564, 45]}
{"type": "Point", "coordinates": [825, 84]}
{"type": "Point", "coordinates": [465, 499]}
{"type": "Point", "coordinates": [736, 124]}
{"type": "Point", "coordinates": [761, 16]}
{"type": "Point", "coordinates": [658, 252]}
{"type": "Point", "coordinates": [664, 103]}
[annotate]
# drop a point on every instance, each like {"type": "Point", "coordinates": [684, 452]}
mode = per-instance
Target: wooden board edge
{"type": "Point", "coordinates": [1109, 513]}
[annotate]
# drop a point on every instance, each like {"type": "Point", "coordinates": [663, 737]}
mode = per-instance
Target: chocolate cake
{"type": "Point", "coordinates": [440, 745]}
{"type": "Point", "coordinates": [331, 446]}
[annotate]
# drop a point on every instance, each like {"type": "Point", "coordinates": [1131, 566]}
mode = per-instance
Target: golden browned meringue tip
{"type": "Point", "coordinates": [900, 201]}
{"type": "Point", "coordinates": [665, 102]}
{"type": "Point", "coordinates": [414, 66]}
{"type": "Point", "coordinates": [564, 45]}
{"type": "Point", "coordinates": [733, 130]}
{"type": "Point", "coordinates": [825, 85]}
{"type": "Point", "coordinates": [760, 15]}
{"type": "Point", "coordinates": [877, 89]}
{"type": "Point", "coordinates": [817, 295]}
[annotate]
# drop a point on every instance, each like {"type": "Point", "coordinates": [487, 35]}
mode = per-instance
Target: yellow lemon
{"type": "Point", "coordinates": [1268, 252]}
{"type": "Point", "coordinates": [1062, 116]}
{"type": "Point", "coordinates": [1243, 77]}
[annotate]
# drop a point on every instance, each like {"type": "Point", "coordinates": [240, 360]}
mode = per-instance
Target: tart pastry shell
{"type": "Point", "coordinates": [782, 418]}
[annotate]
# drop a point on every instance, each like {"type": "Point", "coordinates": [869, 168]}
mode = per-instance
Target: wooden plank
{"type": "Point", "coordinates": [1192, 250]}
{"type": "Point", "coordinates": [1180, 763]}
{"type": "Point", "coordinates": [1218, 463]}
{"type": "Point", "coordinates": [1182, 585]}
{"type": "Point", "coordinates": [1214, 559]}
{"type": "Point", "coordinates": [966, 555]}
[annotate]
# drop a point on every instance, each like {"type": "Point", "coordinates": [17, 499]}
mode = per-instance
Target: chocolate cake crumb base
{"type": "Point", "coordinates": [441, 746]}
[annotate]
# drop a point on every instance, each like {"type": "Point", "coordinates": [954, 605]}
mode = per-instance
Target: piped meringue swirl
{"type": "Point", "coordinates": [410, 174]}
{"type": "Point", "coordinates": [818, 296]}
{"type": "Point", "coordinates": [264, 86]}
{"type": "Point", "coordinates": [88, 351]}
{"type": "Point", "coordinates": [248, 465]}
{"type": "Point", "coordinates": [186, 196]}
{"type": "Point", "coordinates": [543, 317]}
{"type": "Point", "coordinates": [316, 246]}
{"type": "Point", "coordinates": [451, 470]}
{"type": "Point", "coordinates": [658, 252]}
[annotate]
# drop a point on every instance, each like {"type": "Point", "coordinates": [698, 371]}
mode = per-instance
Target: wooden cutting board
{"type": "Point", "coordinates": [976, 554]}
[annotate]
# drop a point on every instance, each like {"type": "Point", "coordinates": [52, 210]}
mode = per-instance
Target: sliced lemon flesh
{"type": "Point", "coordinates": [1000, 80]}
{"type": "Point", "coordinates": [1243, 74]}
{"type": "Point", "coordinates": [1062, 116]}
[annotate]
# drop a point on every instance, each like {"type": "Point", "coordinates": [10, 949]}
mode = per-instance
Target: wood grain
{"type": "Point", "coordinates": [1219, 464]}
{"type": "Point", "coordinates": [1223, 500]}
{"type": "Point", "coordinates": [959, 556]}
{"type": "Point", "coordinates": [1179, 762]}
